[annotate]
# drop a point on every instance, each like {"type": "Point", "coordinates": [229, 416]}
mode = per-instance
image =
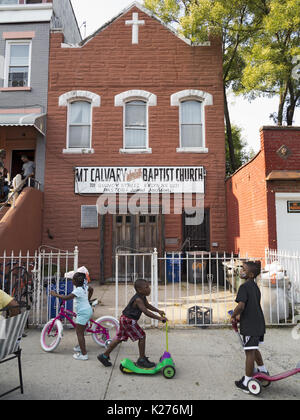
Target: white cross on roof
{"type": "Point", "coordinates": [135, 22]}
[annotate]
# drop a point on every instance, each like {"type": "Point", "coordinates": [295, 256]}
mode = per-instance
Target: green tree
{"type": "Point", "coordinates": [234, 22]}
{"type": "Point", "coordinates": [271, 57]}
{"type": "Point", "coordinates": [242, 155]}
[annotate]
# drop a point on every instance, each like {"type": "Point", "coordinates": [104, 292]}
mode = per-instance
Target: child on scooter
{"type": "Point", "coordinates": [82, 295]}
{"type": "Point", "coordinates": [129, 327]}
{"type": "Point", "coordinates": [252, 321]}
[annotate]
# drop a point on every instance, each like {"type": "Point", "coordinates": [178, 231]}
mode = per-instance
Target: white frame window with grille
{"type": "Point", "coordinates": [21, 62]}
{"type": "Point", "coordinates": [136, 105]}
{"type": "Point", "coordinates": [192, 104]}
{"type": "Point", "coordinates": [83, 119]}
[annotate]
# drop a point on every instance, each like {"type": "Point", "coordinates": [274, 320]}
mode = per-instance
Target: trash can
{"type": "Point", "coordinates": [53, 303]}
{"type": "Point", "coordinates": [197, 266]}
{"type": "Point", "coordinates": [200, 316]}
{"type": "Point", "coordinates": [274, 286]}
{"type": "Point", "coordinates": [173, 267]}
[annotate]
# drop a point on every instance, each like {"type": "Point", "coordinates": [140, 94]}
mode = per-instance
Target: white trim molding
{"type": "Point", "coordinates": [204, 97]}
{"type": "Point", "coordinates": [150, 98]}
{"type": "Point", "coordinates": [80, 94]}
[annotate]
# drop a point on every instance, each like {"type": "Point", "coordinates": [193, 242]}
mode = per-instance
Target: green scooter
{"type": "Point", "coordinates": [166, 364]}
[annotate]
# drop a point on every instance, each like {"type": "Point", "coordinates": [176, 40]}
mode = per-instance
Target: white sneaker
{"type": "Point", "coordinates": [77, 349]}
{"type": "Point", "coordinates": [79, 356]}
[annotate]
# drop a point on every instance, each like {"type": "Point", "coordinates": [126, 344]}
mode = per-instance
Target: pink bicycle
{"type": "Point", "coordinates": [103, 330]}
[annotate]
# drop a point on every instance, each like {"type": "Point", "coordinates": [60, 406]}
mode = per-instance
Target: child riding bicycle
{"type": "Point", "coordinates": [82, 295]}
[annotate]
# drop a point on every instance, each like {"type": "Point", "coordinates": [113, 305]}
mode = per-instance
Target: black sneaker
{"type": "Point", "coordinates": [145, 363]}
{"type": "Point", "coordinates": [241, 386]}
{"type": "Point", "coordinates": [104, 360]}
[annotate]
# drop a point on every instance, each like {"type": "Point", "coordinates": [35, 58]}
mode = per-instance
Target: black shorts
{"type": "Point", "coordinates": [252, 343]}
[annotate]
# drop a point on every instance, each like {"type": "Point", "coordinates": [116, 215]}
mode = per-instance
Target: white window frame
{"type": "Point", "coordinates": [78, 149]}
{"type": "Point", "coordinates": [131, 149]}
{"type": "Point", "coordinates": [192, 148]}
{"type": "Point", "coordinates": [9, 43]}
{"type": "Point", "coordinates": [196, 95]}
{"type": "Point", "coordinates": [74, 96]}
{"type": "Point", "coordinates": [136, 95]}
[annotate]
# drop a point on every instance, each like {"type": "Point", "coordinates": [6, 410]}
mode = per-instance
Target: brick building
{"type": "Point", "coordinates": [263, 196]}
{"type": "Point", "coordinates": [134, 98]}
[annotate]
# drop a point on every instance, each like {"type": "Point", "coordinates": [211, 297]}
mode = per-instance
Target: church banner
{"type": "Point", "coordinates": [131, 180]}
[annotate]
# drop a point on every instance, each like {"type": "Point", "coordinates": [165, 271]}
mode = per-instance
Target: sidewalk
{"type": "Point", "coordinates": [207, 364]}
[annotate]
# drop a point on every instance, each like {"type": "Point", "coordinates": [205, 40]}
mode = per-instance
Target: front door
{"type": "Point", "coordinates": [136, 234]}
{"type": "Point", "coordinates": [197, 237]}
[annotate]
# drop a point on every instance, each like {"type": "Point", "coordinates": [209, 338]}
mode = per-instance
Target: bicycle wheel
{"type": "Point", "coordinates": [111, 324]}
{"type": "Point", "coordinates": [50, 340]}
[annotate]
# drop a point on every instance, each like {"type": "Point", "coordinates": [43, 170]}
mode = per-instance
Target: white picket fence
{"type": "Point", "coordinates": [199, 289]}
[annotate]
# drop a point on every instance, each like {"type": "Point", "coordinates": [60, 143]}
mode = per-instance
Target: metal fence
{"type": "Point", "coordinates": [31, 278]}
{"type": "Point", "coordinates": [200, 288]}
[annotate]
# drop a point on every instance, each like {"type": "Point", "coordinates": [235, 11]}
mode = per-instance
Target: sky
{"type": "Point", "coordinates": [250, 116]}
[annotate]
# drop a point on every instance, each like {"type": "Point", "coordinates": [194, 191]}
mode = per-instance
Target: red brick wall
{"type": "Point", "coordinates": [251, 199]}
{"type": "Point", "coordinates": [247, 209]}
{"type": "Point", "coordinates": [21, 227]}
{"type": "Point", "coordinates": [108, 65]}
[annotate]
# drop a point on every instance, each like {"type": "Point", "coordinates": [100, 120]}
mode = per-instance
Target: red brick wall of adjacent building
{"type": "Point", "coordinates": [108, 65]}
{"type": "Point", "coordinates": [251, 199]}
{"type": "Point", "coordinates": [247, 209]}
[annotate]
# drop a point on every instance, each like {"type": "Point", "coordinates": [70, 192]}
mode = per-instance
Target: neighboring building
{"type": "Point", "coordinates": [133, 96]}
{"type": "Point", "coordinates": [263, 196]}
{"type": "Point", "coordinates": [24, 61]}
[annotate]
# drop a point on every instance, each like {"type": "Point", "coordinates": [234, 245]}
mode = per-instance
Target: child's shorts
{"type": "Point", "coordinates": [129, 328]}
{"type": "Point", "coordinates": [84, 316]}
{"type": "Point", "coordinates": [252, 343]}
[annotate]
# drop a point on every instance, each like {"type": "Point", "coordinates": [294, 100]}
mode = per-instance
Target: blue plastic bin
{"type": "Point", "coordinates": [53, 303]}
{"type": "Point", "coordinates": [174, 265]}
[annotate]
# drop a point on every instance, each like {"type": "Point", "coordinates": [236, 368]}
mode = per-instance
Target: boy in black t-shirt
{"type": "Point", "coordinates": [252, 321]}
{"type": "Point", "coordinates": [129, 327]}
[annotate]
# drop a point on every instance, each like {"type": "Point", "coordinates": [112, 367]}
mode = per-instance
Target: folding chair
{"type": "Point", "coordinates": [11, 330]}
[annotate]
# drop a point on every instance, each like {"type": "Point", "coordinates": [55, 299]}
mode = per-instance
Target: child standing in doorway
{"type": "Point", "coordinates": [129, 327]}
{"type": "Point", "coordinates": [82, 295]}
{"type": "Point", "coordinates": [252, 321]}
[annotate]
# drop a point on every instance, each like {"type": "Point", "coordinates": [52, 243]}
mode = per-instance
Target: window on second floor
{"type": "Point", "coordinates": [191, 125]}
{"type": "Point", "coordinates": [18, 60]}
{"type": "Point", "coordinates": [135, 125]}
{"type": "Point", "coordinates": [79, 125]}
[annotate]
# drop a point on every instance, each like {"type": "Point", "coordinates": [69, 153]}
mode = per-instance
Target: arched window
{"type": "Point", "coordinates": [135, 125]}
{"type": "Point", "coordinates": [79, 125]}
{"type": "Point", "coordinates": [191, 124]}
{"type": "Point", "coordinates": [80, 106]}
{"type": "Point", "coordinates": [136, 105]}
{"type": "Point", "coordinates": [192, 105]}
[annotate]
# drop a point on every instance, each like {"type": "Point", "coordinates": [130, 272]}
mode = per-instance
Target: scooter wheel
{"type": "Point", "coordinates": [265, 384]}
{"type": "Point", "coordinates": [254, 387]}
{"type": "Point", "coordinates": [124, 370]}
{"type": "Point", "coordinates": [169, 372]}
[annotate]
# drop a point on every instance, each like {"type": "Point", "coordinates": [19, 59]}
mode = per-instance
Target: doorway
{"type": "Point", "coordinates": [139, 233]}
{"type": "Point", "coordinates": [197, 237]}
{"type": "Point", "coordinates": [16, 162]}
